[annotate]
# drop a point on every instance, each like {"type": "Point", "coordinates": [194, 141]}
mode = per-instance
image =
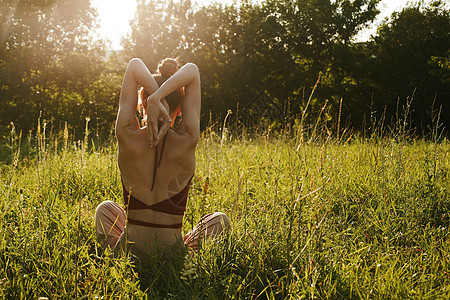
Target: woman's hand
{"type": "Point", "coordinates": [156, 114]}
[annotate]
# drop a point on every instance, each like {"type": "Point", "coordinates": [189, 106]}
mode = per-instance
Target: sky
{"type": "Point", "coordinates": [115, 15]}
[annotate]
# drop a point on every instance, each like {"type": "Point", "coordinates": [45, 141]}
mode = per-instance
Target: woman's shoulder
{"type": "Point", "coordinates": [189, 135]}
{"type": "Point", "coordinates": [179, 144]}
{"type": "Point", "coordinates": [131, 141]}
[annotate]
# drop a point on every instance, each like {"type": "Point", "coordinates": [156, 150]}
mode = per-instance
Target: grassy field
{"type": "Point", "coordinates": [356, 219]}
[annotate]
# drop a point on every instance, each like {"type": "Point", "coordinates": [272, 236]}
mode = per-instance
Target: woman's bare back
{"type": "Point", "coordinates": [168, 168]}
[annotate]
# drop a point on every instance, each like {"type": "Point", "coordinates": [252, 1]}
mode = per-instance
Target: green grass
{"type": "Point", "coordinates": [349, 220]}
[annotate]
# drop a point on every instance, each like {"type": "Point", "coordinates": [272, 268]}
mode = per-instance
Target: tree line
{"type": "Point", "coordinates": [54, 67]}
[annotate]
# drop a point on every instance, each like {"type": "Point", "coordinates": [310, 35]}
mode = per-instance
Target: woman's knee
{"type": "Point", "coordinates": [218, 222]}
{"type": "Point", "coordinates": [108, 207]}
{"type": "Point", "coordinates": [224, 221]}
{"type": "Point", "coordinates": [105, 206]}
{"type": "Point", "coordinates": [109, 214]}
{"type": "Point", "coordinates": [109, 222]}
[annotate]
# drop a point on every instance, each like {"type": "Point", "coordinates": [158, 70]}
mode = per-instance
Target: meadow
{"type": "Point", "coordinates": [328, 218]}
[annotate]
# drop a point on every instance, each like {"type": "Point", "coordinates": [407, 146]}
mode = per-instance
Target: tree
{"type": "Point", "coordinates": [306, 37]}
{"type": "Point", "coordinates": [49, 58]}
{"type": "Point", "coordinates": [157, 30]}
{"type": "Point", "coordinates": [410, 56]}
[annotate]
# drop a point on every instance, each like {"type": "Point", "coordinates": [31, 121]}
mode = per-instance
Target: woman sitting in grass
{"type": "Point", "coordinates": [156, 162]}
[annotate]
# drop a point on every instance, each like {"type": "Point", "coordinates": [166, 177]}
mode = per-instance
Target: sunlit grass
{"type": "Point", "coordinates": [357, 219]}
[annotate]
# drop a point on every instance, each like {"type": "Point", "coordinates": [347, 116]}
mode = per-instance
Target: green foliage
{"type": "Point", "coordinates": [53, 66]}
{"type": "Point", "coordinates": [412, 49]}
{"type": "Point", "coordinates": [50, 63]}
{"type": "Point", "coordinates": [331, 219]}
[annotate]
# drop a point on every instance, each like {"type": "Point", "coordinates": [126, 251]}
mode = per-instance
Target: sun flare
{"type": "Point", "coordinates": [114, 18]}
{"type": "Point", "coordinates": [115, 15]}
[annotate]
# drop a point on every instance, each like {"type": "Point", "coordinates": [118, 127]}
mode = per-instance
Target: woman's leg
{"type": "Point", "coordinates": [109, 223]}
{"type": "Point", "coordinates": [209, 227]}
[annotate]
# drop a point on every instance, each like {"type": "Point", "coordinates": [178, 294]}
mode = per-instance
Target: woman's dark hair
{"type": "Point", "coordinates": [166, 68]}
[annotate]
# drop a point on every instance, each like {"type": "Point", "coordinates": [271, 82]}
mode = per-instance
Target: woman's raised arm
{"type": "Point", "coordinates": [188, 76]}
{"type": "Point", "coordinates": [136, 74]}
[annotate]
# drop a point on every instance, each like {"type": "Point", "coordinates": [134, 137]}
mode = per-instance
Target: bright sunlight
{"type": "Point", "coordinates": [115, 16]}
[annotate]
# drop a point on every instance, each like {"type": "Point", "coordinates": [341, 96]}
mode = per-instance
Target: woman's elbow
{"type": "Point", "coordinates": [134, 62]}
{"type": "Point", "coordinates": [192, 68]}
